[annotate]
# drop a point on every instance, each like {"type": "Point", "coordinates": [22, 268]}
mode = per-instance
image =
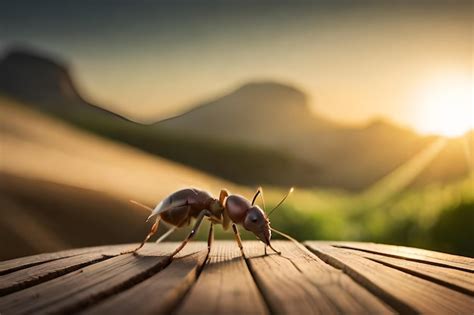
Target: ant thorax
{"type": "Point", "coordinates": [216, 208]}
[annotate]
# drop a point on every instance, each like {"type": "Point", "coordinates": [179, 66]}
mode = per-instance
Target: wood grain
{"type": "Point", "coordinates": [415, 254]}
{"type": "Point", "coordinates": [28, 277]}
{"type": "Point", "coordinates": [452, 278]}
{"type": "Point", "coordinates": [404, 292]}
{"type": "Point", "coordinates": [86, 286]}
{"type": "Point", "coordinates": [323, 277]}
{"type": "Point", "coordinates": [13, 265]}
{"type": "Point", "coordinates": [160, 293]}
{"type": "Point", "coordinates": [297, 282]}
{"type": "Point", "coordinates": [225, 286]}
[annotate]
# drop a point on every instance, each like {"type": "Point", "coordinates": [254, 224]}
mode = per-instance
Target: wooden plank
{"type": "Point", "coordinates": [415, 254]}
{"type": "Point", "coordinates": [225, 286]}
{"type": "Point", "coordinates": [455, 279]}
{"type": "Point", "coordinates": [89, 285]}
{"type": "Point", "coordinates": [297, 282]}
{"type": "Point", "coordinates": [28, 277]}
{"type": "Point", "coordinates": [13, 265]}
{"type": "Point", "coordinates": [25, 278]}
{"type": "Point", "coordinates": [160, 293]}
{"type": "Point", "coordinates": [404, 292]}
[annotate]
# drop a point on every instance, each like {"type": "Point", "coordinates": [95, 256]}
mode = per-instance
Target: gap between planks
{"type": "Point", "coordinates": [405, 292]}
{"type": "Point", "coordinates": [226, 284]}
{"type": "Point", "coordinates": [413, 254]}
{"type": "Point", "coordinates": [25, 278]}
{"type": "Point", "coordinates": [89, 285]}
{"type": "Point", "coordinates": [459, 279]}
{"type": "Point", "coordinates": [161, 292]}
{"type": "Point", "coordinates": [16, 264]}
{"type": "Point", "coordinates": [296, 281]}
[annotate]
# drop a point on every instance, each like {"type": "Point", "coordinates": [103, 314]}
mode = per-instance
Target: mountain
{"type": "Point", "coordinates": [260, 133]}
{"type": "Point", "coordinates": [32, 77]}
{"type": "Point", "coordinates": [262, 112]}
{"type": "Point", "coordinates": [270, 114]}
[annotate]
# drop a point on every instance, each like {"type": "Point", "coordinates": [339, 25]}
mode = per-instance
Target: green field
{"type": "Point", "coordinates": [437, 217]}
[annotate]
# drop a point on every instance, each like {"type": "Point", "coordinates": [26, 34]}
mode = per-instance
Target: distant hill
{"type": "Point", "coordinates": [278, 116]}
{"type": "Point", "coordinates": [261, 133]}
{"type": "Point", "coordinates": [260, 112]}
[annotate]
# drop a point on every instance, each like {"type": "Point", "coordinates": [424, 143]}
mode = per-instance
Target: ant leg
{"type": "Point", "coordinates": [279, 253]}
{"type": "Point", "coordinates": [265, 249]}
{"type": "Point", "coordinates": [210, 237]}
{"type": "Point", "coordinates": [153, 230]}
{"type": "Point", "coordinates": [164, 236]}
{"type": "Point", "coordinates": [192, 233]}
{"type": "Point", "coordinates": [238, 239]}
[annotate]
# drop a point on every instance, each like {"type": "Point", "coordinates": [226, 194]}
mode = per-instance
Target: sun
{"type": "Point", "coordinates": [445, 106]}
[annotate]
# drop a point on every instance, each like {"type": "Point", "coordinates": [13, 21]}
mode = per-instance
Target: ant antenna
{"type": "Point", "coordinates": [259, 192]}
{"type": "Point", "coordinates": [256, 195]}
{"type": "Point", "coordinates": [290, 238]}
{"type": "Point", "coordinates": [284, 235]}
{"type": "Point", "coordinates": [283, 200]}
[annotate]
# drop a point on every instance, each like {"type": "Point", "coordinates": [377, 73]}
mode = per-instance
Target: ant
{"type": "Point", "coordinates": [181, 206]}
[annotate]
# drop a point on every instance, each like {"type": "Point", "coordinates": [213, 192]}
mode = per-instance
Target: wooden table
{"type": "Point", "coordinates": [313, 277]}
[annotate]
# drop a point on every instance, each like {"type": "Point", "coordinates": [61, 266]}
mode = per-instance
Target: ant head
{"type": "Point", "coordinates": [257, 222]}
{"type": "Point", "coordinates": [251, 216]}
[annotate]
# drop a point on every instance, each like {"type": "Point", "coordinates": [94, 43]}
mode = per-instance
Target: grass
{"type": "Point", "coordinates": [437, 217]}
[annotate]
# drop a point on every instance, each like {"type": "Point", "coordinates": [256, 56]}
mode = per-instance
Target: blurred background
{"type": "Point", "coordinates": [366, 107]}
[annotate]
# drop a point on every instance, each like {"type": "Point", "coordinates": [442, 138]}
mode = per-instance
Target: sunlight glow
{"type": "Point", "coordinates": [445, 106]}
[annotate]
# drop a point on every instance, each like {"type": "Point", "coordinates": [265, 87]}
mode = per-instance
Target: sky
{"type": "Point", "coordinates": [407, 61]}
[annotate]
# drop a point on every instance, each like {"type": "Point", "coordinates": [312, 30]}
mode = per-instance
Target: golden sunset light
{"type": "Point", "coordinates": [445, 106]}
{"type": "Point", "coordinates": [147, 150]}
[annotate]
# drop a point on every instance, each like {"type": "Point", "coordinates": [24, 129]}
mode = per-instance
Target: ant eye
{"type": "Point", "coordinates": [254, 219]}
